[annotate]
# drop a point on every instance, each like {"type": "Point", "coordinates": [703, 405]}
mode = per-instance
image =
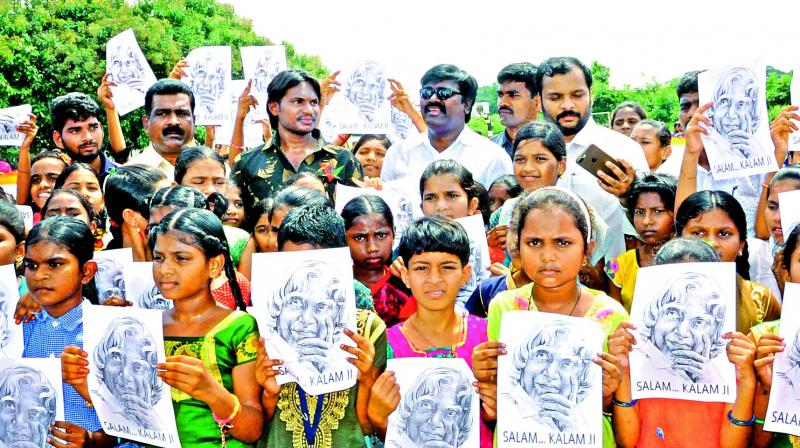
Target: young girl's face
{"type": "Point", "coordinates": [266, 239]}
{"type": "Point", "coordinates": [54, 276]}
{"type": "Point", "coordinates": [206, 175]}
{"type": "Point", "coordinates": [43, 179]}
{"type": "Point", "coordinates": [66, 204]}
{"type": "Point", "coordinates": [234, 216]}
{"type": "Point", "coordinates": [772, 214]}
{"type": "Point", "coordinates": [371, 155]}
{"type": "Point", "coordinates": [85, 183]}
{"type": "Point", "coordinates": [444, 196]}
{"type": "Point", "coordinates": [498, 194]}
{"type": "Point", "coordinates": [9, 249]}
{"type": "Point", "coordinates": [181, 270]}
{"type": "Point", "coordinates": [645, 136]}
{"type": "Point", "coordinates": [551, 247]}
{"type": "Point", "coordinates": [719, 230]}
{"type": "Point", "coordinates": [652, 219]}
{"type": "Point", "coordinates": [370, 241]}
{"type": "Point", "coordinates": [535, 166]}
{"type": "Point", "coordinates": [435, 278]}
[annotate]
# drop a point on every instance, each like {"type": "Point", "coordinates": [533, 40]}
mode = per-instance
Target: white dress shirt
{"type": "Point", "coordinates": [585, 185]}
{"type": "Point", "coordinates": [483, 158]}
{"type": "Point", "coordinates": [150, 157]}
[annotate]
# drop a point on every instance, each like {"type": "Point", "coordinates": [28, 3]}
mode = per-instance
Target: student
{"type": "Point", "coordinates": [265, 237]}
{"type": "Point", "coordinates": [210, 349]}
{"type": "Point", "coordinates": [654, 422]}
{"type": "Point", "coordinates": [169, 199]}
{"type": "Point", "coordinates": [34, 188]}
{"type": "Point", "coordinates": [437, 250]}
{"type": "Point", "coordinates": [627, 115]}
{"type": "Point", "coordinates": [370, 151]}
{"type": "Point", "coordinates": [501, 190]}
{"type": "Point", "coordinates": [765, 335]}
{"type": "Point", "coordinates": [369, 232]}
{"type": "Point", "coordinates": [650, 205]}
{"type": "Point", "coordinates": [234, 214]}
{"type": "Point", "coordinates": [60, 273]}
{"type": "Point", "coordinates": [82, 178]}
{"type": "Point", "coordinates": [447, 189]}
{"type": "Point", "coordinates": [717, 218]}
{"type": "Point", "coordinates": [656, 141]}
{"type": "Point", "coordinates": [70, 203]}
{"type": "Point", "coordinates": [343, 419]}
{"type": "Point", "coordinates": [12, 240]}
{"type": "Point", "coordinates": [202, 168]}
{"type": "Point", "coordinates": [554, 231]}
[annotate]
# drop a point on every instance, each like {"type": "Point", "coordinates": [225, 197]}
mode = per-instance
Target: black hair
{"type": "Point", "coordinates": [787, 173]}
{"type": "Point", "coordinates": [547, 133]}
{"type": "Point", "coordinates": [262, 207]}
{"type": "Point", "coordinates": [561, 65]}
{"type": "Point", "coordinates": [629, 105]}
{"type": "Point", "coordinates": [365, 205]}
{"type": "Point", "coordinates": [101, 217]}
{"type": "Point", "coordinates": [484, 203]}
{"type": "Point", "coordinates": [130, 187]}
{"type": "Point", "coordinates": [11, 220]}
{"type": "Point", "coordinates": [706, 200]}
{"type": "Point", "coordinates": [434, 234]}
{"type": "Point", "coordinates": [546, 198]}
{"type": "Point", "coordinates": [467, 84]}
{"type": "Point", "coordinates": [296, 196]}
{"type": "Point", "coordinates": [181, 196]}
{"type": "Point", "coordinates": [301, 175]}
{"type": "Point", "coordinates": [77, 195]}
{"type": "Point", "coordinates": [75, 236]}
{"type": "Point", "coordinates": [202, 229]}
{"type": "Point", "coordinates": [284, 81]}
{"type": "Point", "coordinates": [192, 154]}
{"type": "Point", "coordinates": [369, 137]}
{"type": "Point", "coordinates": [688, 83]}
{"type": "Point", "coordinates": [686, 250]}
{"type": "Point", "coordinates": [510, 182]}
{"type": "Point", "coordinates": [790, 245]}
{"type": "Point", "coordinates": [318, 225]}
{"type": "Point", "coordinates": [166, 86]}
{"type": "Point", "coordinates": [453, 168]}
{"type": "Point", "coordinates": [52, 154]}
{"type": "Point", "coordinates": [74, 106]}
{"type": "Point", "coordinates": [662, 131]}
{"type": "Point", "coordinates": [524, 72]}
{"type": "Point", "coordinates": [662, 184]}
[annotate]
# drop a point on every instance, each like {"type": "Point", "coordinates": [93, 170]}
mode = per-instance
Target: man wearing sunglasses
{"type": "Point", "coordinates": [446, 100]}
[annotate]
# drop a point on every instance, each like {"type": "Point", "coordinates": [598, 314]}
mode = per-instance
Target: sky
{"type": "Point", "coordinates": [639, 40]}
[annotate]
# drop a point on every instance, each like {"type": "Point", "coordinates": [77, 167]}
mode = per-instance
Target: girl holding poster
{"type": "Point", "coordinates": [554, 234]}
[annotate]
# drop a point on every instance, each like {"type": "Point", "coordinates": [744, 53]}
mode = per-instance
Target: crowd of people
{"type": "Point", "coordinates": [563, 240]}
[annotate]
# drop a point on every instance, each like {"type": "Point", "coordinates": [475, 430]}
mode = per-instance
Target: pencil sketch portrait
{"type": "Point", "coordinates": [109, 279]}
{"type": "Point", "coordinates": [366, 88]}
{"type": "Point", "coordinates": [550, 376]}
{"type": "Point", "coordinates": [208, 83]}
{"type": "Point", "coordinates": [682, 329]}
{"type": "Point", "coordinates": [267, 67]}
{"type": "Point", "coordinates": [27, 407]}
{"type": "Point", "coordinates": [436, 410]}
{"type": "Point", "coordinates": [125, 367]}
{"type": "Point", "coordinates": [5, 332]}
{"type": "Point", "coordinates": [735, 113]}
{"type": "Point", "coordinates": [152, 299]}
{"type": "Point", "coordinates": [479, 272]}
{"type": "Point", "coordinates": [8, 123]}
{"type": "Point", "coordinates": [791, 374]}
{"type": "Point", "coordinates": [125, 68]}
{"type": "Point", "coordinates": [402, 123]}
{"type": "Point", "coordinates": [308, 312]}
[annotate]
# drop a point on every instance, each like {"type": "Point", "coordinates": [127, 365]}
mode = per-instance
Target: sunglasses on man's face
{"type": "Point", "coordinates": [444, 93]}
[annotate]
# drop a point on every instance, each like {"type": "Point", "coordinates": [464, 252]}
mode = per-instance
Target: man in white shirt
{"type": "Point", "coordinates": [446, 100]}
{"type": "Point", "coordinates": [566, 97]}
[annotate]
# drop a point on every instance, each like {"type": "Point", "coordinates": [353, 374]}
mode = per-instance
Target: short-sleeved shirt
{"type": "Point", "coordinates": [262, 171]}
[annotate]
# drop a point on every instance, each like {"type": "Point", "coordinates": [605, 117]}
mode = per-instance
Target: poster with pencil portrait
{"type": "Point", "coordinates": [31, 397]}
{"type": "Point", "coordinates": [783, 412]}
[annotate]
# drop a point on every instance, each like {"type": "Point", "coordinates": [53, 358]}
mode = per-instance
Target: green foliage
{"type": "Point", "coordinates": [51, 47]}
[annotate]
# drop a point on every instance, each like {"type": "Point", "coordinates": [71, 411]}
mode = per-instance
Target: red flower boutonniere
{"type": "Point", "coordinates": [329, 170]}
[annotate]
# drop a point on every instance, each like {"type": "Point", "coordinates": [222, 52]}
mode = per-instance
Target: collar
{"type": "Point", "coordinates": [69, 320]}
{"type": "Point", "coordinates": [464, 138]}
{"type": "Point", "coordinates": [588, 134]}
{"type": "Point", "coordinates": [320, 144]}
{"type": "Point", "coordinates": [107, 164]}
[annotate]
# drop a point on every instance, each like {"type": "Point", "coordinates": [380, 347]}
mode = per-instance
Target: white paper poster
{"type": "Point", "coordinates": [478, 257]}
{"type": "Point", "coordinates": [790, 212]}
{"type": "Point", "coordinates": [783, 412]}
{"type": "Point", "coordinates": [11, 342]}
{"type": "Point", "coordinates": [404, 211]}
{"type": "Point", "coordinates": [738, 143]}
{"type": "Point", "coordinates": [111, 268]}
{"type": "Point", "coordinates": [302, 301]}
{"type": "Point", "coordinates": [794, 91]}
{"type": "Point", "coordinates": [141, 288]}
{"type": "Point", "coordinates": [681, 312]}
{"type": "Point", "coordinates": [131, 401]}
{"type": "Point", "coordinates": [438, 404]}
{"type": "Point", "coordinates": [253, 130]}
{"type": "Point", "coordinates": [549, 392]}
{"type": "Point", "coordinates": [128, 68]}
{"type": "Point", "coordinates": [10, 118]}
{"type": "Point", "coordinates": [262, 64]}
{"type": "Point", "coordinates": [209, 75]}
{"type": "Point", "coordinates": [26, 212]}
{"type": "Point", "coordinates": [362, 105]}
{"type": "Point", "coordinates": [33, 386]}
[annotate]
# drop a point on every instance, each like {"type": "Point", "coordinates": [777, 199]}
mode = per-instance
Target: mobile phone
{"type": "Point", "coordinates": [593, 159]}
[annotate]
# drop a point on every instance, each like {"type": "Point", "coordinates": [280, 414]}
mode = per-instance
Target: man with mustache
{"type": "Point", "coordinates": [78, 132]}
{"type": "Point", "coordinates": [517, 101]}
{"type": "Point", "coordinates": [293, 109]}
{"type": "Point", "coordinates": [565, 85]}
{"type": "Point", "coordinates": [446, 100]}
{"type": "Point", "coordinates": [169, 122]}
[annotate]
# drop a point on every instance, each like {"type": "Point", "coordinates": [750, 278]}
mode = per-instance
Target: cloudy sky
{"type": "Point", "coordinates": [639, 40]}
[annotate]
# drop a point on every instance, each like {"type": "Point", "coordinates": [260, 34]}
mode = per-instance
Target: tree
{"type": "Point", "coordinates": [51, 47]}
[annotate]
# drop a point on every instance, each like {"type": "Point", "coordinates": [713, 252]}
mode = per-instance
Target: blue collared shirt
{"type": "Point", "coordinates": [45, 337]}
{"type": "Point", "coordinates": [504, 142]}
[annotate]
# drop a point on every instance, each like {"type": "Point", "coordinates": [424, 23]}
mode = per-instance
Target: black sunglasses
{"type": "Point", "coordinates": [443, 93]}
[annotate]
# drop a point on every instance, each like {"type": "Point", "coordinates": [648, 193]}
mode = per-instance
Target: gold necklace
{"type": "Point", "coordinates": [432, 346]}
